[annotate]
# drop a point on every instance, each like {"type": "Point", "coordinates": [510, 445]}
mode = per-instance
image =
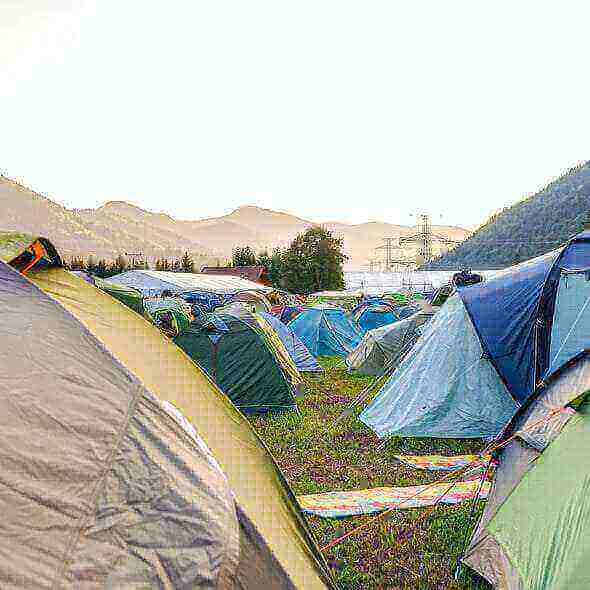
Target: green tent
{"type": "Point", "coordinates": [237, 357]}
{"type": "Point", "coordinates": [535, 529]}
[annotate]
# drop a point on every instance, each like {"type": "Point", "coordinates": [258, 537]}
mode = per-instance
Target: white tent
{"type": "Point", "coordinates": [153, 282]}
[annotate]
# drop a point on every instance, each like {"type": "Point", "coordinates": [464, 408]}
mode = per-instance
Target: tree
{"type": "Point", "coordinates": [243, 256]}
{"type": "Point", "coordinates": [313, 262]}
{"type": "Point", "coordinates": [187, 263]}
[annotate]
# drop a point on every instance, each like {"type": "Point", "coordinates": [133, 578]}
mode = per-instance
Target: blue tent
{"type": "Point", "coordinates": [302, 358]}
{"type": "Point", "coordinates": [491, 345]}
{"type": "Point", "coordinates": [373, 314]}
{"type": "Point", "coordinates": [326, 330]}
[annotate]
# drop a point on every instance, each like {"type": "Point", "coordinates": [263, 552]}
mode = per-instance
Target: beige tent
{"type": "Point", "coordinates": [107, 438]}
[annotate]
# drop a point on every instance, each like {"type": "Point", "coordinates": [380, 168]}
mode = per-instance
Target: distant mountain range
{"type": "Point", "coordinates": [532, 227]}
{"type": "Point", "coordinates": [119, 227]}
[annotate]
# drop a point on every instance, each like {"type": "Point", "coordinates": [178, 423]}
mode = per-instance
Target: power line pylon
{"type": "Point", "coordinates": [424, 238]}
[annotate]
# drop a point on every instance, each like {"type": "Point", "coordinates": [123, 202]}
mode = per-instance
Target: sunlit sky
{"type": "Point", "coordinates": [333, 110]}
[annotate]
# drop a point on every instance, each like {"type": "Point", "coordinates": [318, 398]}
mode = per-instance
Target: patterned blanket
{"type": "Point", "coordinates": [371, 501]}
{"type": "Point", "coordinates": [442, 463]}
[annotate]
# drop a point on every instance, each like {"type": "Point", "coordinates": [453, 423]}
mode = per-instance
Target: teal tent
{"type": "Point", "coordinates": [326, 330]}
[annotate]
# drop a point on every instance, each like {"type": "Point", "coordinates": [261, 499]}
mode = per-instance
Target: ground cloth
{"type": "Point", "coordinates": [371, 501]}
{"type": "Point", "coordinates": [441, 463]}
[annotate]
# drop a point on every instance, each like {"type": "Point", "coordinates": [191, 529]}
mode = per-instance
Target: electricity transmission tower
{"type": "Point", "coordinates": [391, 260]}
{"type": "Point", "coordinates": [424, 238]}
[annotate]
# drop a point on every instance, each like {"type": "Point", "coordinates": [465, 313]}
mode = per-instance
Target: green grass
{"type": "Point", "coordinates": [388, 553]}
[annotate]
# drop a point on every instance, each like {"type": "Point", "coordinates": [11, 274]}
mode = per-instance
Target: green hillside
{"type": "Point", "coordinates": [531, 227]}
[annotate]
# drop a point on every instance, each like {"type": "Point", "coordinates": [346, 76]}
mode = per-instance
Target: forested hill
{"type": "Point", "coordinates": [532, 227]}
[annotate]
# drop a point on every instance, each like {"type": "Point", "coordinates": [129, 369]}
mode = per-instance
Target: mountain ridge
{"type": "Point", "coordinates": [118, 226]}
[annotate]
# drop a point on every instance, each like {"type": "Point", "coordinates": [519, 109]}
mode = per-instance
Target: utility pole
{"type": "Point", "coordinates": [134, 257]}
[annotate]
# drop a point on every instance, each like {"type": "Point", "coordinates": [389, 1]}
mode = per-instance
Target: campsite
{"type": "Point", "coordinates": [395, 452]}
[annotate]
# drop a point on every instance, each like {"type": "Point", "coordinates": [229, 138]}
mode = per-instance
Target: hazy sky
{"type": "Point", "coordinates": [334, 110]}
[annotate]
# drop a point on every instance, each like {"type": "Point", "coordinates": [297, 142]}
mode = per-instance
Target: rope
{"type": "Point", "coordinates": [491, 448]}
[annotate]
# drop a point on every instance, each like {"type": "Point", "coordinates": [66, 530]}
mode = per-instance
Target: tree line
{"type": "Point", "coordinates": [104, 268]}
{"type": "Point", "coordinates": [313, 262]}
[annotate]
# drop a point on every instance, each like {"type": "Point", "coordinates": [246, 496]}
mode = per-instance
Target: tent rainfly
{"type": "Point", "coordinates": [488, 349]}
{"type": "Point", "coordinates": [383, 349]}
{"type": "Point", "coordinates": [123, 465]}
{"type": "Point", "coordinates": [535, 528]}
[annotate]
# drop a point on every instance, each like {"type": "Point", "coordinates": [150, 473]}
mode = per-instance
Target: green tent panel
{"type": "Point", "coordinates": [129, 296]}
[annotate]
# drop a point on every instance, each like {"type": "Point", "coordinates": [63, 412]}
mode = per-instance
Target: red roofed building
{"type": "Point", "coordinates": [256, 274]}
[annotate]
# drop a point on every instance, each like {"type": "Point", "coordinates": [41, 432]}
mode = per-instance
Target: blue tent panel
{"type": "Point", "coordinates": [302, 358]}
{"type": "Point", "coordinates": [503, 310]}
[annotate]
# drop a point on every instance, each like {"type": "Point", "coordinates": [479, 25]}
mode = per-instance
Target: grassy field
{"type": "Point", "coordinates": [395, 552]}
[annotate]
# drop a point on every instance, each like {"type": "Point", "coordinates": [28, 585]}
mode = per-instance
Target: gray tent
{"type": "Point", "coordinates": [384, 348]}
{"type": "Point", "coordinates": [105, 483]}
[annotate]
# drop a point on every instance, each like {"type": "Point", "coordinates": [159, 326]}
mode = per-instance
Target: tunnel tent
{"type": "Point", "coordinates": [154, 417]}
{"type": "Point", "coordinates": [489, 347]}
{"type": "Point", "coordinates": [326, 331]}
{"type": "Point", "coordinates": [535, 527]}
{"type": "Point", "coordinates": [303, 359]}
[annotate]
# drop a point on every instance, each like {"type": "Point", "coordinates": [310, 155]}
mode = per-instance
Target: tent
{"type": "Point", "coordinates": [255, 299]}
{"type": "Point", "coordinates": [129, 296]}
{"type": "Point", "coordinates": [384, 348]}
{"type": "Point", "coordinates": [123, 465]}
{"type": "Point", "coordinates": [171, 314]}
{"type": "Point", "coordinates": [296, 349]}
{"type": "Point", "coordinates": [240, 361]}
{"type": "Point", "coordinates": [154, 282]}
{"type": "Point", "coordinates": [326, 330]}
{"type": "Point", "coordinates": [286, 312]}
{"type": "Point", "coordinates": [344, 299]}
{"type": "Point", "coordinates": [535, 528]}
{"type": "Point", "coordinates": [373, 313]}
{"type": "Point", "coordinates": [488, 348]}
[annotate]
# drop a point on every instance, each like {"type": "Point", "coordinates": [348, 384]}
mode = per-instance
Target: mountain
{"type": "Point", "coordinates": [118, 227]}
{"type": "Point", "coordinates": [532, 227]}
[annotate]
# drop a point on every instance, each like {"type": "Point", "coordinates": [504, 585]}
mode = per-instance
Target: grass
{"type": "Point", "coordinates": [389, 553]}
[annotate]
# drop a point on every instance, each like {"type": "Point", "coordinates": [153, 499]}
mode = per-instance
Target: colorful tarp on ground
{"type": "Point", "coordinates": [326, 331]}
{"type": "Point", "coordinates": [372, 501]}
{"type": "Point", "coordinates": [443, 463]}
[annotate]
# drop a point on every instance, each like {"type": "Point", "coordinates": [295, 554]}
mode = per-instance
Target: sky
{"type": "Point", "coordinates": [331, 109]}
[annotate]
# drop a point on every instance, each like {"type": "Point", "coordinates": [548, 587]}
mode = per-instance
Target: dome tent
{"type": "Point", "coordinates": [373, 313]}
{"type": "Point", "coordinates": [75, 354]}
{"type": "Point", "coordinates": [488, 348]}
{"type": "Point", "coordinates": [384, 348]}
{"type": "Point", "coordinates": [302, 358]}
{"type": "Point", "coordinates": [238, 359]}
{"type": "Point", "coordinates": [535, 527]}
{"type": "Point", "coordinates": [326, 330]}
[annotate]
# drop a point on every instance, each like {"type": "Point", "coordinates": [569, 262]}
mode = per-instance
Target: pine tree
{"type": "Point", "coordinates": [243, 256]}
{"type": "Point", "coordinates": [187, 263]}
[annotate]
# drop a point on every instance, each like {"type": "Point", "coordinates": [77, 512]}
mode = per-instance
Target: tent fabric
{"type": "Point", "coordinates": [571, 321]}
{"type": "Point", "coordinates": [99, 484]}
{"type": "Point", "coordinates": [286, 313]}
{"type": "Point", "coordinates": [272, 531]}
{"type": "Point", "coordinates": [384, 348]}
{"type": "Point", "coordinates": [130, 297]}
{"type": "Point", "coordinates": [153, 282]}
{"type": "Point", "coordinates": [503, 310]}
{"type": "Point", "coordinates": [512, 554]}
{"type": "Point", "coordinates": [372, 315]}
{"type": "Point", "coordinates": [326, 331]}
{"type": "Point", "coordinates": [302, 358]}
{"type": "Point", "coordinates": [240, 362]}
{"type": "Point", "coordinates": [413, 403]}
